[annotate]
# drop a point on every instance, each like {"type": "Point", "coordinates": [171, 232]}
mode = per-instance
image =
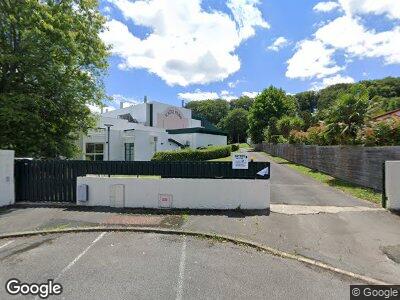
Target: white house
{"type": "Point", "coordinates": [138, 131]}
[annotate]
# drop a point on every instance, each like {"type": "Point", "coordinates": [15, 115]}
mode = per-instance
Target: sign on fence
{"type": "Point", "coordinates": [240, 161]}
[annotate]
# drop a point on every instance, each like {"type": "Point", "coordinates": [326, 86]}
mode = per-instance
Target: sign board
{"type": "Point", "coordinates": [240, 161]}
{"type": "Point", "coordinates": [164, 200]}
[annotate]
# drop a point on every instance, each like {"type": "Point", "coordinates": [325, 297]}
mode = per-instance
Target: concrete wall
{"type": "Point", "coordinates": [356, 164]}
{"type": "Point", "coordinates": [392, 186]}
{"type": "Point", "coordinates": [182, 193]}
{"type": "Point", "coordinates": [7, 195]}
{"type": "Point", "coordinates": [200, 139]}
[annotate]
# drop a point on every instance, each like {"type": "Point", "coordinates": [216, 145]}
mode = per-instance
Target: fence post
{"type": "Point", "coordinates": [384, 198]}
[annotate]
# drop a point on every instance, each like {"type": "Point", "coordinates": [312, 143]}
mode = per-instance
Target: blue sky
{"type": "Point", "coordinates": [192, 49]}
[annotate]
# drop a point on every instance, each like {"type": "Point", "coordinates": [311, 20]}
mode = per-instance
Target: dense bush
{"type": "Point", "coordinates": [235, 147]}
{"type": "Point", "coordinates": [383, 133]}
{"type": "Point", "coordinates": [316, 135]}
{"type": "Point", "coordinates": [193, 155]}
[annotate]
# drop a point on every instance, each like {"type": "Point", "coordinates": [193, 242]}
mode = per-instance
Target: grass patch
{"type": "Point", "coordinates": [347, 187]}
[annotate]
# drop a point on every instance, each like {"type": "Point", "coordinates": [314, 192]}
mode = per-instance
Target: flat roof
{"type": "Point", "coordinates": [197, 130]}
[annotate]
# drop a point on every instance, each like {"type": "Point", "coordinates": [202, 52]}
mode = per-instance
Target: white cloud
{"type": "Point", "coordinates": [187, 45]}
{"type": "Point", "coordinates": [328, 81]}
{"type": "Point", "coordinates": [126, 101]}
{"type": "Point", "coordinates": [390, 8]}
{"type": "Point", "coordinates": [312, 59]}
{"type": "Point", "coordinates": [198, 96]}
{"type": "Point", "coordinates": [326, 6]}
{"type": "Point", "coordinates": [250, 94]}
{"type": "Point", "coordinates": [278, 44]}
{"type": "Point", "coordinates": [233, 84]}
{"type": "Point", "coordinates": [348, 36]}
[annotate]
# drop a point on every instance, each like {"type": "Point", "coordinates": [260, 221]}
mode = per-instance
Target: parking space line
{"type": "Point", "coordinates": [80, 255]}
{"type": "Point", "coordinates": [6, 244]}
{"type": "Point", "coordinates": [181, 277]}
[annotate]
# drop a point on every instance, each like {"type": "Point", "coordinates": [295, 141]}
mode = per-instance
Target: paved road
{"type": "Point", "coordinates": [150, 266]}
{"type": "Point", "coordinates": [291, 187]}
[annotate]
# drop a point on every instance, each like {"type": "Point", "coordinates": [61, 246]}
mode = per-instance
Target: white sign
{"type": "Point", "coordinates": [264, 172]}
{"type": "Point", "coordinates": [240, 161]}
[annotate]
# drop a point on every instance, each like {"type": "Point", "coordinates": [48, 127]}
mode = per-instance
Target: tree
{"type": "Point", "coordinates": [51, 65]}
{"type": "Point", "coordinates": [288, 123]}
{"type": "Point", "coordinates": [236, 125]}
{"type": "Point", "coordinates": [348, 116]}
{"type": "Point", "coordinates": [244, 102]}
{"type": "Point", "coordinates": [307, 101]}
{"type": "Point", "coordinates": [213, 110]}
{"type": "Point", "coordinates": [271, 103]}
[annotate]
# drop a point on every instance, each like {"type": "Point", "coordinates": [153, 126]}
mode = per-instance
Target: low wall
{"type": "Point", "coordinates": [176, 193]}
{"type": "Point", "coordinates": [7, 195]}
{"type": "Point", "coordinates": [356, 164]}
{"type": "Point", "coordinates": [392, 186]}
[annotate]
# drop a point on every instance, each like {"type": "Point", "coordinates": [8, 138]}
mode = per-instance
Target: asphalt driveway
{"type": "Point", "coordinates": [151, 266]}
{"type": "Point", "coordinates": [291, 187]}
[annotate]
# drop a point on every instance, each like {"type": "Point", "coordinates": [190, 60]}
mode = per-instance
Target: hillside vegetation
{"type": "Point", "coordinates": [336, 115]}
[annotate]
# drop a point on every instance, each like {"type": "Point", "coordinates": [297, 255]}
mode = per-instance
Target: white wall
{"type": "Point", "coordinates": [203, 140]}
{"type": "Point", "coordinates": [185, 193]}
{"type": "Point", "coordinates": [392, 186]}
{"type": "Point", "coordinates": [7, 194]}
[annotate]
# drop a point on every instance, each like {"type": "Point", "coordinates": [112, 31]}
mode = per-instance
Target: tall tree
{"type": "Point", "coordinates": [236, 125]}
{"type": "Point", "coordinates": [244, 102]}
{"type": "Point", "coordinates": [213, 110]}
{"type": "Point", "coordinates": [51, 65]}
{"type": "Point", "coordinates": [272, 103]}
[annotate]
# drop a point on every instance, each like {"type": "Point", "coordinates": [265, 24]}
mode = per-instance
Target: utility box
{"type": "Point", "coordinates": [82, 193]}
{"type": "Point", "coordinates": [7, 190]}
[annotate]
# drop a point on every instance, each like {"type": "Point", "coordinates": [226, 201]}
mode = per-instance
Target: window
{"type": "Point", "coordinates": [94, 151]}
{"type": "Point", "coordinates": [129, 151]}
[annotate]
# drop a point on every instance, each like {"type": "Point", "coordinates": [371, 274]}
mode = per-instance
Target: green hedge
{"type": "Point", "coordinates": [193, 155]}
{"type": "Point", "coordinates": [235, 147]}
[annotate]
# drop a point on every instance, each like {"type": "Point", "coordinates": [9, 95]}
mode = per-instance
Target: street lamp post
{"type": "Point", "coordinates": [108, 142]}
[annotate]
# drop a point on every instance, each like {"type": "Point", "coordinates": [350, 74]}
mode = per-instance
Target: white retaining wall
{"type": "Point", "coordinates": [176, 193]}
{"type": "Point", "coordinates": [7, 195]}
{"type": "Point", "coordinates": [392, 186]}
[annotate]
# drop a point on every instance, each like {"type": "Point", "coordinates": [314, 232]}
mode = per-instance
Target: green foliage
{"type": "Point", "coordinates": [51, 64]}
{"type": "Point", "coordinates": [347, 116]}
{"type": "Point", "coordinates": [271, 103]}
{"type": "Point", "coordinates": [382, 133]}
{"type": "Point", "coordinates": [236, 125]}
{"type": "Point", "coordinates": [288, 123]}
{"type": "Point", "coordinates": [193, 155]}
{"type": "Point", "coordinates": [307, 101]}
{"type": "Point", "coordinates": [316, 135]}
{"type": "Point", "coordinates": [213, 110]}
{"type": "Point", "coordinates": [235, 147]}
{"type": "Point", "coordinates": [244, 102]}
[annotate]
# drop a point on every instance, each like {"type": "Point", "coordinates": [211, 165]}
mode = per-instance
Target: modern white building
{"type": "Point", "coordinates": [138, 131]}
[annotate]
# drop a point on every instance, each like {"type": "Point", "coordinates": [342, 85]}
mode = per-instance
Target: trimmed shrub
{"type": "Point", "coordinates": [235, 147]}
{"type": "Point", "coordinates": [212, 152]}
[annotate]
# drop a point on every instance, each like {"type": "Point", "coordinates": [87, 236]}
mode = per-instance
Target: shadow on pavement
{"type": "Point", "coordinates": [237, 213]}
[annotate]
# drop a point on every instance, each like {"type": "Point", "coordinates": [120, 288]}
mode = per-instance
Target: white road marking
{"type": "Point", "coordinates": [77, 258]}
{"type": "Point", "coordinates": [181, 278]}
{"type": "Point", "coordinates": [80, 255]}
{"type": "Point", "coordinates": [6, 244]}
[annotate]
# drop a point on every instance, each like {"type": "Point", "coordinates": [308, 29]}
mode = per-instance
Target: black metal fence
{"type": "Point", "coordinates": [55, 180]}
